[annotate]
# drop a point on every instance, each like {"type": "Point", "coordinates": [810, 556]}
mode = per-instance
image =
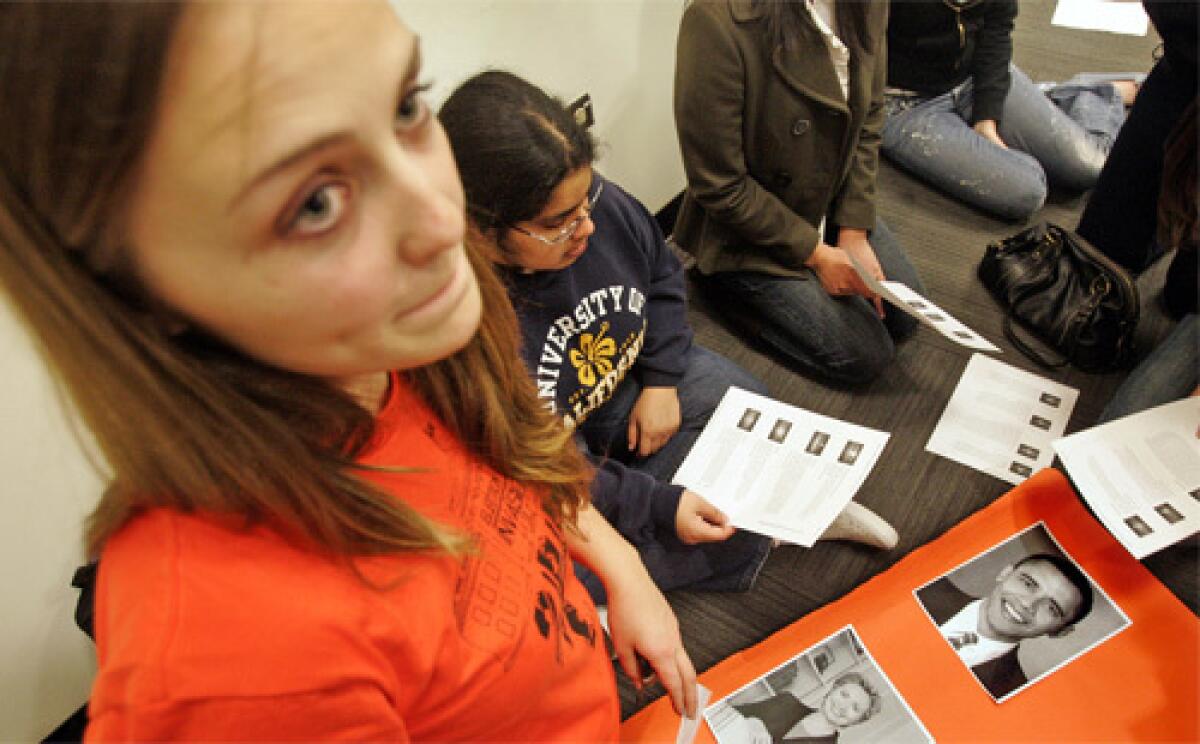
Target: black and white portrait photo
{"type": "Point", "coordinates": [832, 692]}
{"type": "Point", "coordinates": [1019, 611]}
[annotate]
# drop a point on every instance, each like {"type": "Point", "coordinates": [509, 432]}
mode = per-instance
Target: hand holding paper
{"type": "Point", "coordinates": [777, 469]}
{"type": "Point", "coordinates": [923, 310]}
{"type": "Point", "coordinates": [698, 521]}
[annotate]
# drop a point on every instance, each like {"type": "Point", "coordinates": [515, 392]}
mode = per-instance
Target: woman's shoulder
{"type": "Point", "coordinates": [617, 199]}
{"type": "Point", "coordinates": [622, 218]}
{"type": "Point", "coordinates": [713, 14]}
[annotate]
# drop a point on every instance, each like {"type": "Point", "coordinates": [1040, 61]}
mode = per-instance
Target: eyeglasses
{"type": "Point", "coordinates": [571, 227]}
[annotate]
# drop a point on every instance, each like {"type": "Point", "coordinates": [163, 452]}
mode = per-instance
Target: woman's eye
{"type": "Point", "coordinates": [413, 110]}
{"type": "Point", "coordinates": [320, 211]}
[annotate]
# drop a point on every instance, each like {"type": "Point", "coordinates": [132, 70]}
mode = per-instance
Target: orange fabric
{"type": "Point", "coordinates": [206, 631]}
{"type": "Point", "coordinates": [1139, 685]}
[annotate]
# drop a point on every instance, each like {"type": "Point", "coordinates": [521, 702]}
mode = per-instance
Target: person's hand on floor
{"type": "Point", "coordinates": [986, 128]}
{"type": "Point", "coordinates": [654, 419]}
{"type": "Point", "coordinates": [697, 521]}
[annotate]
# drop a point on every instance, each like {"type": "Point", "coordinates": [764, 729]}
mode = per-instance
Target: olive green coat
{"type": "Point", "coordinates": [769, 145]}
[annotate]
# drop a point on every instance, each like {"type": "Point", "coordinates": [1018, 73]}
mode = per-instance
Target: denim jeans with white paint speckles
{"type": "Point", "coordinates": [1062, 136]}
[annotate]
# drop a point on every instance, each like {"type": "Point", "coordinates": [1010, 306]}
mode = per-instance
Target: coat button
{"type": "Point", "coordinates": [800, 127]}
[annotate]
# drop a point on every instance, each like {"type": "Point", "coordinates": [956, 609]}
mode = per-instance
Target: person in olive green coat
{"type": "Point", "coordinates": [779, 108]}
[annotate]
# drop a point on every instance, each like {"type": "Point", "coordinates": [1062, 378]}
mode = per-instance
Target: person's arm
{"type": "Point", "coordinates": [854, 205]}
{"type": "Point", "coordinates": [632, 501]}
{"type": "Point", "coordinates": [656, 416]}
{"type": "Point", "coordinates": [990, 65]}
{"type": "Point", "coordinates": [663, 358]}
{"type": "Point", "coordinates": [709, 105]}
{"type": "Point", "coordinates": [640, 620]}
{"type": "Point", "coordinates": [635, 502]}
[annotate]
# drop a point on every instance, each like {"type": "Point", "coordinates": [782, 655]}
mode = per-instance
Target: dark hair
{"type": "Point", "coordinates": [1177, 222]}
{"type": "Point", "coordinates": [514, 145]}
{"type": "Point", "coordinates": [783, 18]}
{"type": "Point", "coordinates": [855, 678]}
{"type": "Point", "coordinates": [1072, 573]}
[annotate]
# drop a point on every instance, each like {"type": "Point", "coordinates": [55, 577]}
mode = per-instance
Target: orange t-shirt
{"type": "Point", "coordinates": [209, 631]}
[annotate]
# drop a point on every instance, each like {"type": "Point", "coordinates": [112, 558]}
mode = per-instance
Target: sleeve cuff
{"type": "Point", "coordinates": [665, 505]}
{"type": "Point", "coordinates": [984, 110]}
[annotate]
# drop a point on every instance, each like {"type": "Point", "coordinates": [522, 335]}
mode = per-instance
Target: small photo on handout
{"type": "Point", "coordinates": [749, 419]}
{"type": "Point", "coordinates": [816, 443]}
{"type": "Point", "coordinates": [780, 431]}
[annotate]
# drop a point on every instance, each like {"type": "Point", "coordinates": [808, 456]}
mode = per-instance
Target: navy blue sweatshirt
{"type": "Point", "coordinates": [619, 310]}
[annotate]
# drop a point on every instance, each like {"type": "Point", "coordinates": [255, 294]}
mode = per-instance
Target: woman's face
{"type": "Point", "coordinates": [846, 704]}
{"type": "Point", "coordinates": [568, 205]}
{"type": "Point", "coordinates": [298, 198]}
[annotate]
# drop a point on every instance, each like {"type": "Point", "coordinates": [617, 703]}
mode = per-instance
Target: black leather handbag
{"type": "Point", "coordinates": [1067, 293]}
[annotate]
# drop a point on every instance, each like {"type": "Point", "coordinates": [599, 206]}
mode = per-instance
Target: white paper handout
{"type": "Point", "coordinates": [1141, 474]}
{"type": "Point", "coordinates": [689, 726]}
{"type": "Point", "coordinates": [777, 469]}
{"type": "Point", "coordinates": [1123, 17]}
{"type": "Point", "coordinates": [1001, 420]}
{"type": "Point", "coordinates": [929, 314]}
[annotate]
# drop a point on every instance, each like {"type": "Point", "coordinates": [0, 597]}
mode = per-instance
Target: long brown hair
{"type": "Point", "coordinates": [183, 420]}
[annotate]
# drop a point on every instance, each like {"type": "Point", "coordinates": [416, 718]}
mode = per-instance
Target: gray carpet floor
{"type": "Point", "coordinates": [921, 494]}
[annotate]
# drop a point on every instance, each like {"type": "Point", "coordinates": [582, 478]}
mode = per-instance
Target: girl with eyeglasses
{"type": "Point", "coordinates": [601, 300]}
{"type": "Point", "coordinates": [337, 508]}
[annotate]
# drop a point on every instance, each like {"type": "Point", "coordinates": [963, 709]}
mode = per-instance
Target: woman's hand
{"type": "Point", "coordinates": [698, 521]}
{"type": "Point", "coordinates": [639, 618]}
{"type": "Point", "coordinates": [654, 419]}
{"type": "Point", "coordinates": [837, 275]}
{"type": "Point", "coordinates": [986, 128]}
{"type": "Point", "coordinates": [642, 623]}
{"type": "Point", "coordinates": [854, 242]}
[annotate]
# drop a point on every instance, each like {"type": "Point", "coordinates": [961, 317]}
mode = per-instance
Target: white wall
{"type": "Point", "coordinates": [49, 488]}
{"type": "Point", "coordinates": [622, 52]}
{"type": "Point", "coordinates": [619, 51]}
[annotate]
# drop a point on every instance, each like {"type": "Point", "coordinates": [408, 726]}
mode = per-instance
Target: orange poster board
{"type": "Point", "coordinates": [1141, 684]}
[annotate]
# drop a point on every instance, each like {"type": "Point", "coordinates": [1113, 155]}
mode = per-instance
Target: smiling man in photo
{"type": "Point", "coordinates": [1040, 595]}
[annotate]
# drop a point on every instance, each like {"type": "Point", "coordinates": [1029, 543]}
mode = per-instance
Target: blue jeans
{"type": "Point", "coordinates": [1062, 136]}
{"type": "Point", "coordinates": [837, 339]}
{"type": "Point", "coordinates": [735, 562]}
{"type": "Point", "coordinates": [1169, 373]}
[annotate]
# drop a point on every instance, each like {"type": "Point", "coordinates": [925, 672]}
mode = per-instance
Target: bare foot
{"type": "Point", "coordinates": [1128, 90]}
